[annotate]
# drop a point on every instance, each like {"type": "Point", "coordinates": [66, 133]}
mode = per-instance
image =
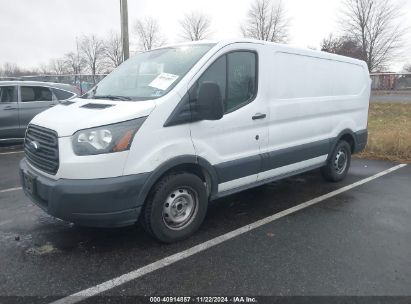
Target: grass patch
{"type": "Point", "coordinates": [389, 132]}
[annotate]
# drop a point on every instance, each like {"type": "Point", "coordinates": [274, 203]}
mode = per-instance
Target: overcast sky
{"type": "Point", "coordinates": [33, 32]}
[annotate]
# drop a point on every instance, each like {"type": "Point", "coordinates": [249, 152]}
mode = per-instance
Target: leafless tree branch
{"type": "Point", "coordinates": [74, 62]}
{"type": "Point", "coordinates": [266, 20]}
{"type": "Point", "coordinates": [344, 46]}
{"type": "Point", "coordinates": [376, 26]}
{"type": "Point", "coordinates": [113, 50]}
{"type": "Point", "coordinates": [92, 52]}
{"type": "Point", "coordinates": [58, 66]}
{"type": "Point", "coordinates": [195, 26]}
{"type": "Point", "coordinates": [148, 33]}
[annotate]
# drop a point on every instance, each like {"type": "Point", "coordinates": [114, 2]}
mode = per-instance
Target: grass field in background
{"type": "Point", "coordinates": [389, 132]}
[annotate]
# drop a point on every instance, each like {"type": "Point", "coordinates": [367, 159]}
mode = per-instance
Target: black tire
{"type": "Point", "coordinates": [338, 163]}
{"type": "Point", "coordinates": [186, 188]}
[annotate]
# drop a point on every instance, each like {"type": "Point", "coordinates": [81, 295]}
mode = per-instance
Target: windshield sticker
{"type": "Point", "coordinates": [163, 81]}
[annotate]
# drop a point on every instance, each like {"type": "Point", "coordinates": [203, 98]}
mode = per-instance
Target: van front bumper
{"type": "Point", "coordinates": [106, 202]}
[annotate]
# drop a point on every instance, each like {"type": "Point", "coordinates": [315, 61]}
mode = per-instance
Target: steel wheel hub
{"type": "Point", "coordinates": [180, 208]}
{"type": "Point", "coordinates": [340, 162]}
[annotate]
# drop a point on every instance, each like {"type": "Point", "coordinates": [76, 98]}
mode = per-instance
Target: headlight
{"type": "Point", "coordinates": [106, 139]}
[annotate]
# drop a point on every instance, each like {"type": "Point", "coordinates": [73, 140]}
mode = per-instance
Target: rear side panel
{"type": "Point", "coordinates": [312, 99]}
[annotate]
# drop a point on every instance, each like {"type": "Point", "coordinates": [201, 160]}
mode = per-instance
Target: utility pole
{"type": "Point", "coordinates": [124, 29]}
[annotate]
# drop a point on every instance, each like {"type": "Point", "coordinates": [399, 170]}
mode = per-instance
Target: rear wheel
{"type": "Point", "coordinates": [338, 163]}
{"type": "Point", "coordinates": [176, 207]}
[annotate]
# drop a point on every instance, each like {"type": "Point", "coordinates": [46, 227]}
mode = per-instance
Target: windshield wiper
{"type": "Point", "coordinates": [111, 97]}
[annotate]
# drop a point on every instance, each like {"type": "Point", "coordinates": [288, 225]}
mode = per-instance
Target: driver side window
{"type": "Point", "coordinates": [235, 73]}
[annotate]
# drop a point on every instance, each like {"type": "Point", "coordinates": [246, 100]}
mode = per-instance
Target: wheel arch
{"type": "Point", "coordinates": [185, 163]}
{"type": "Point", "coordinates": [349, 136]}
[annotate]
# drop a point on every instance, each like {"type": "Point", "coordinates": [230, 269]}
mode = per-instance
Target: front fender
{"type": "Point", "coordinates": [167, 166]}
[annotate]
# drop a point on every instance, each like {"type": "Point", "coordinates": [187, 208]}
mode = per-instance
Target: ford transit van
{"type": "Point", "coordinates": [173, 128]}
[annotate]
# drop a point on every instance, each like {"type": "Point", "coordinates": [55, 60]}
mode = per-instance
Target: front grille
{"type": "Point", "coordinates": [41, 148]}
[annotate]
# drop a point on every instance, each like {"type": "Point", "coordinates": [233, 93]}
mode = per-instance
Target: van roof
{"type": "Point", "coordinates": [282, 47]}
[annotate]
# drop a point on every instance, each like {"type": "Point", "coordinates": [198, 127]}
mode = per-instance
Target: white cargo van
{"type": "Point", "coordinates": [173, 128]}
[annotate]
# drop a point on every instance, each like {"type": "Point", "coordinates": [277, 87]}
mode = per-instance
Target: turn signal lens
{"type": "Point", "coordinates": [124, 142]}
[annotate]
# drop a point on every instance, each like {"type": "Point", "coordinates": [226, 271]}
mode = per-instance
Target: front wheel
{"type": "Point", "coordinates": [338, 163]}
{"type": "Point", "coordinates": [175, 208]}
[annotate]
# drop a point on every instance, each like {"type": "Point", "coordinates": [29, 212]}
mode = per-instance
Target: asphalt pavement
{"type": "Point", "coordinates": [356, 243]}
{"type": "Point", "coordinates": [393, 97]}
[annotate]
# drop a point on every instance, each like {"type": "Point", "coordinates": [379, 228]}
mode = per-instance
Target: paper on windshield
{"type": "Point", "coordinates": [163, 81]}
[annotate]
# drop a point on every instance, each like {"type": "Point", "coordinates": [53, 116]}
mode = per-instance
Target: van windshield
{"type": "Point", "coordinates": [149, 75]}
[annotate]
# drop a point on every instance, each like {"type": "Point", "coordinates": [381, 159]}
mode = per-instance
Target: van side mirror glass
{"type": "Point", "coordinates": [209, 104]}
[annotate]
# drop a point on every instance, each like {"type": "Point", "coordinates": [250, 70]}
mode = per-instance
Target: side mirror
{"type": "Point", "coordinates": [209, 105]}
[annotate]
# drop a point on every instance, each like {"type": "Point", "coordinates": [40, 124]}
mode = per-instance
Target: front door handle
{"type": "Point", "coordinates": [259, 116]}
{"type": "Point", "coordinates": [8, 108]}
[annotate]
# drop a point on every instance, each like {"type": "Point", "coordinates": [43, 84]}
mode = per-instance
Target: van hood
{"type": "Point", "coordinates": [77, 114]}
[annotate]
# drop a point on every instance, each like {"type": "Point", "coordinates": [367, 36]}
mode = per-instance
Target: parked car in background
{"type": "Point", "coordinates": [20, 101]}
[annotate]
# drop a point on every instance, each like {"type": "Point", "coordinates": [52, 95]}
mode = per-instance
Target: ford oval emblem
{"type": "Point", "coordinates": [34, 145]}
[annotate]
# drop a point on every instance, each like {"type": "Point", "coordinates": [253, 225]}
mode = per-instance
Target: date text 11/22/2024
{"type": "Point", "coordinates": [199, 299]}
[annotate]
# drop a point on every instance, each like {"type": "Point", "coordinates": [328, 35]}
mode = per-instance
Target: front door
{"type": "Point", "coordinates": [232, 144]}
{"type": "Point", "coordinates": [33, 100]}
{"type": "Point", "coordinates": [9, 113]}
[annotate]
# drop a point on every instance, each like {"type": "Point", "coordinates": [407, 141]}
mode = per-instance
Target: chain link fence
{"type": "Point", "coordinates": [391, 81]}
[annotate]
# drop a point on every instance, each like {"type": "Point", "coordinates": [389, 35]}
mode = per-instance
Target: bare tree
{"type": "Point", "coordinates": [92, 52]}
{"type": "Point", "coordinates": [331, 44]}
{"type": "Point", "coordinates": [9, 70]}
{"type": "Point", "coordinates": [376, 26]}
{"type": "Point", "coordinates": [74, 63]}
{"type": "Point", "coordinates": [44, 69]}
{"type": "Point", "coordinates": [407, 68]}
{"type": "Point", "coordinates": [195, 26]}
{"type": "Point", "coordinates": [148, 33]}
{"type": "Point", "coordinates": [113, 50]}
{"type": "Point", "coordinates": [345, 46]}
{"type": "Point", "coordinates": [58, 66]}
{"type": "Point", "coordinates": [13, 70]}
{"type": "Point", "coordinates": [266, 20]}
